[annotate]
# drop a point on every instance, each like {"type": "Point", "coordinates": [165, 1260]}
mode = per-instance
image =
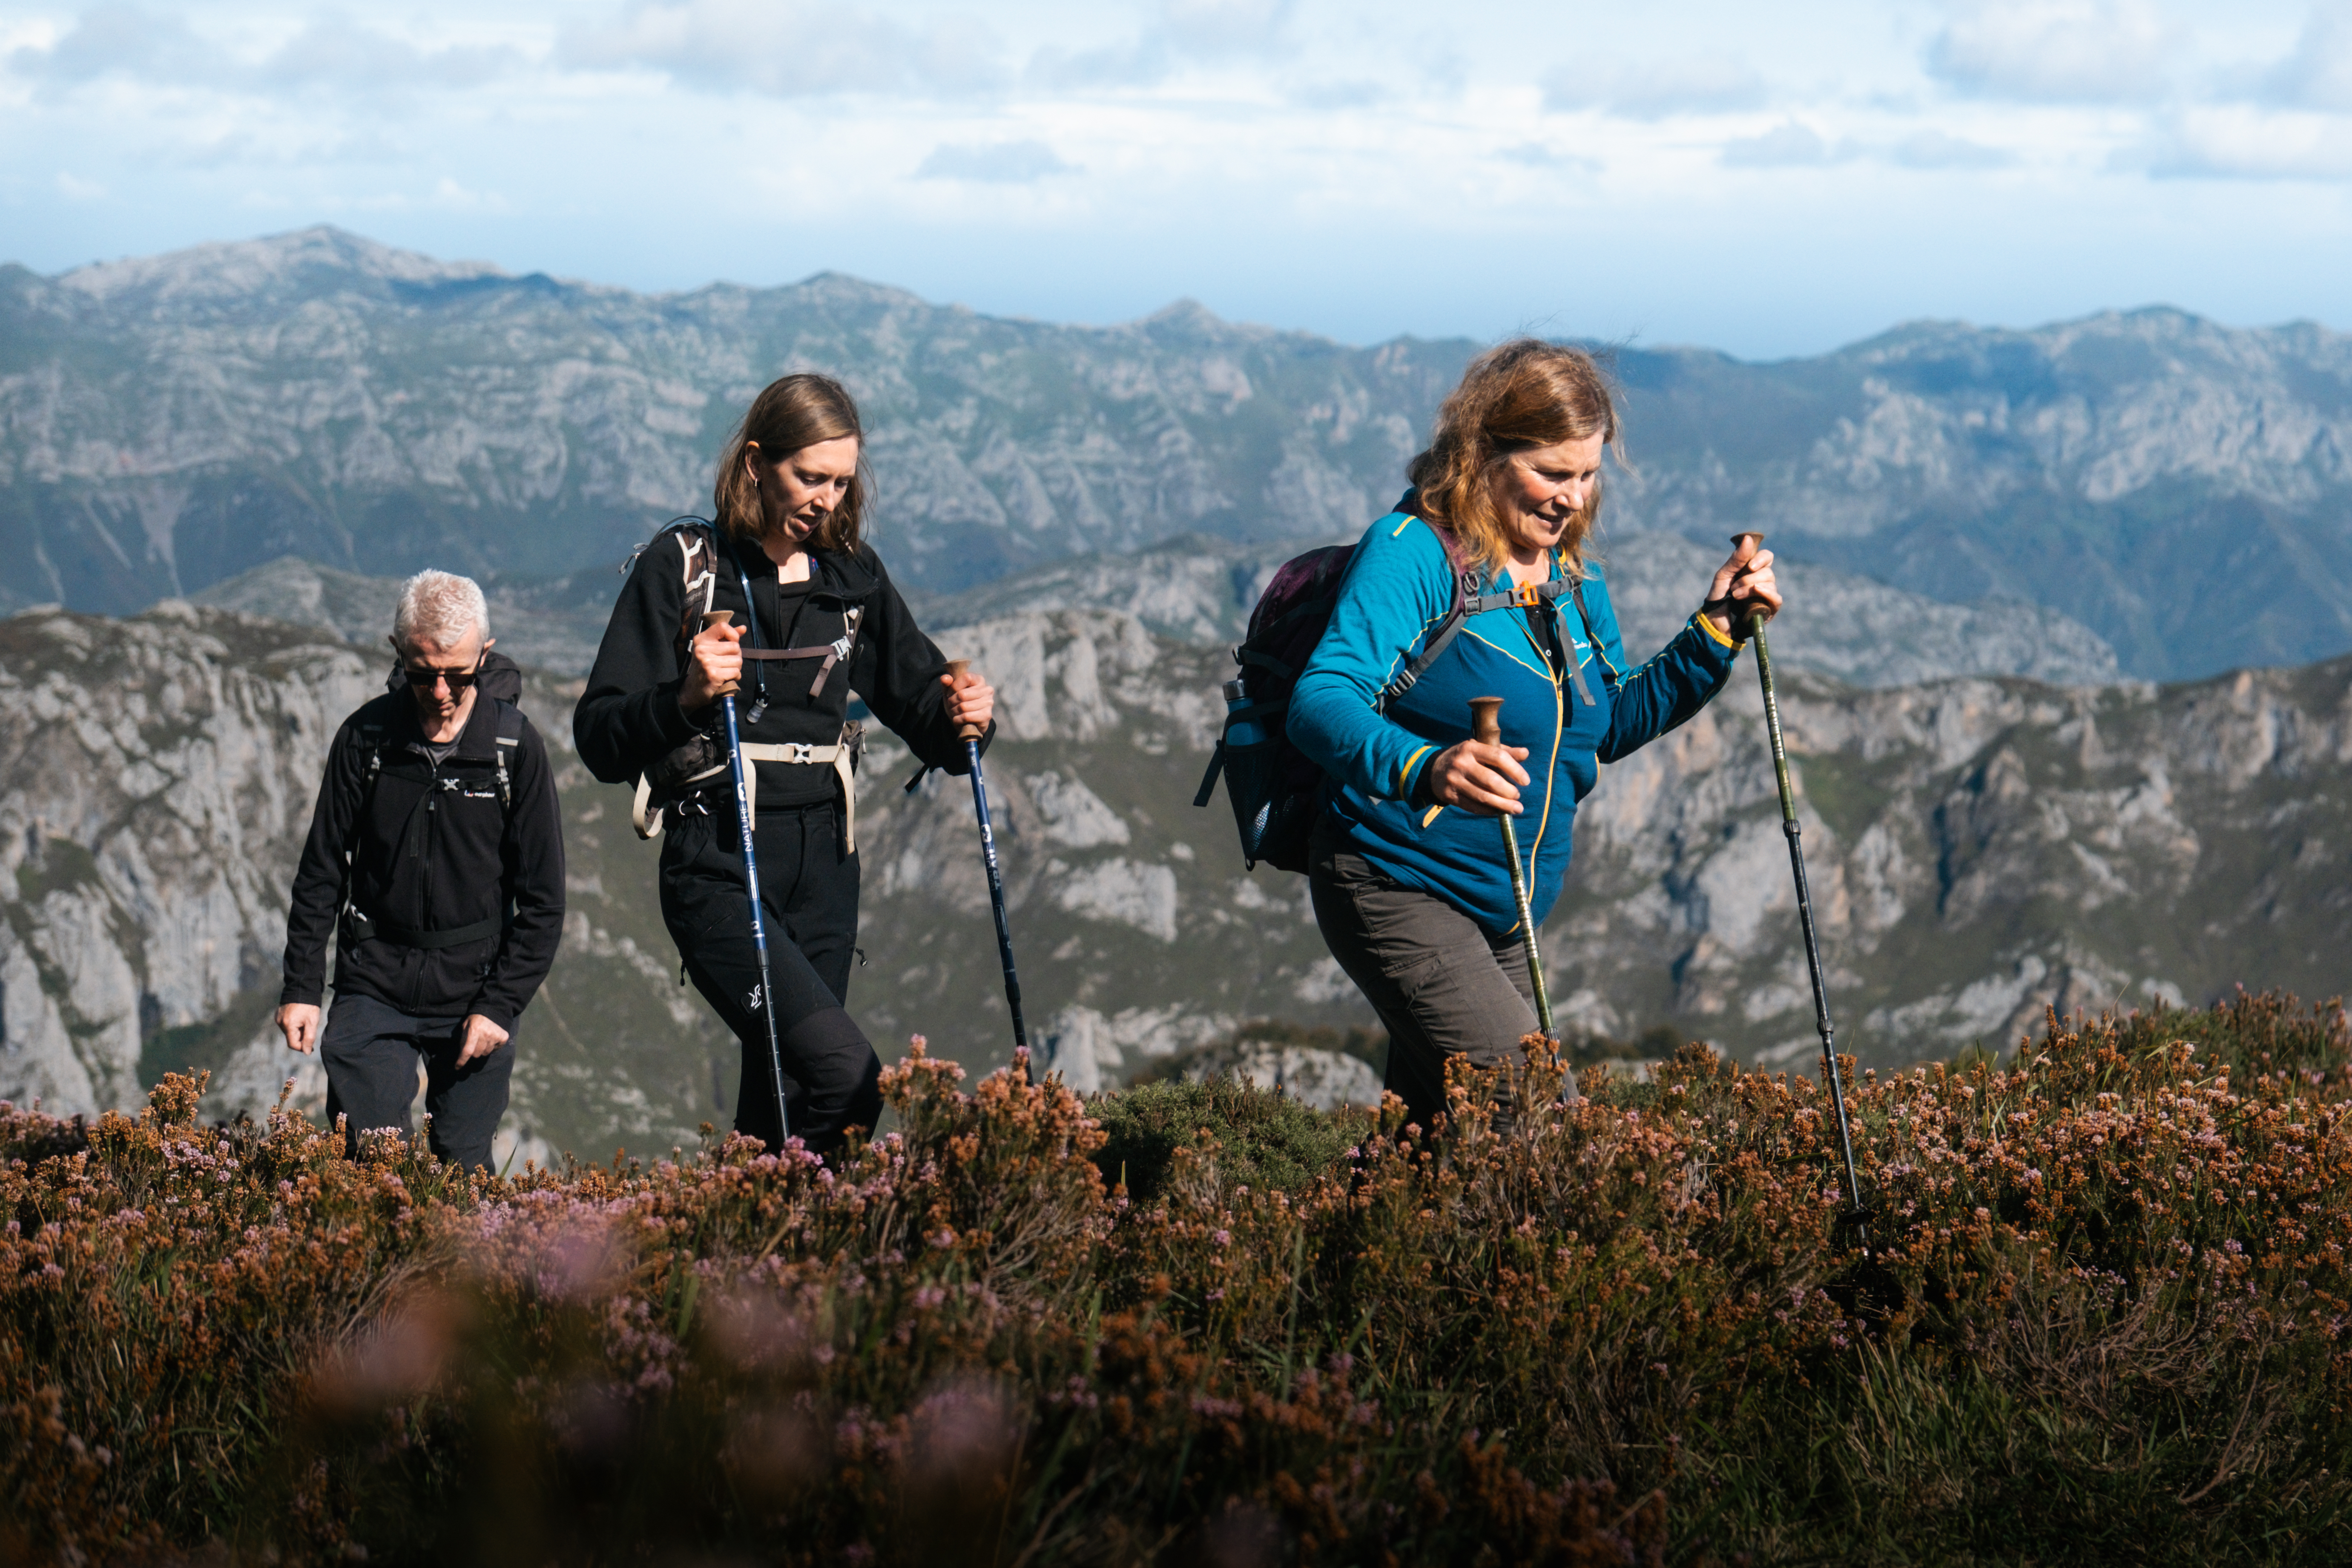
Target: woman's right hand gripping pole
{"type": "Point", "coordinates": [714, 666]}
{"type": "Point", "coordinates": [1480, 777]}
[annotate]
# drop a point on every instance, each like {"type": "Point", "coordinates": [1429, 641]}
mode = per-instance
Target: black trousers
{"type": "Point", "coordinates": [808, 895]}
{"type": "Point", "coordinates": [370, 1049]}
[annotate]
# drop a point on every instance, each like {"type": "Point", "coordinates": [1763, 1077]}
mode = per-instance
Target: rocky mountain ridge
{"type": "Point", "coordinates": [1199, 590]}
{"type": "Point", "coordinates": [1981, 847]}
{"type": "Point", "coordinates": [2181, 489]}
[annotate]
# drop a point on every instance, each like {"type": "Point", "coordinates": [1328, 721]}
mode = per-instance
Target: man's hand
{"type": "Point", "coordinates": [299, 1022]}
{"type": "Point", "coordinates": [1744, 590]}
{"type": "Point", "coordinates": [482, 1037]}
{"type": "Point", "coordinates": [970, 700]}
{"type": "Point", "coordinates": [1479, 778]}
{"type": "Point", "coordinates": [714, 664]}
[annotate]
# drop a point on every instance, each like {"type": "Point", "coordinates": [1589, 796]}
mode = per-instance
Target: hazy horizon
{"type": "Point", "coordinates": [1771, 183]}
{"type": "Point", "coordinates": [1182, 300]}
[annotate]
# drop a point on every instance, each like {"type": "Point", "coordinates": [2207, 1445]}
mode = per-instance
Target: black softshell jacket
{"type": "Point", "coordinates": [629, 719]}
{"type": "Point", "coordinates": [435, 851]}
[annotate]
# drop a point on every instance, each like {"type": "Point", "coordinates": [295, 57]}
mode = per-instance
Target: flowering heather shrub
{"type": "Point", "coordinates": [2105, 1319]}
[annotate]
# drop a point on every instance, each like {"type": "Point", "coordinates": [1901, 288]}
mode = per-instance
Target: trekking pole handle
{"type": "Point", "coordinates": [1486, 720]}
{"type": "Point", "coordinates": [719, 618]}
{"type": "Point", "coordinates": [956, 669]}
{"type": "Point", "coordinates": [1758, 617]}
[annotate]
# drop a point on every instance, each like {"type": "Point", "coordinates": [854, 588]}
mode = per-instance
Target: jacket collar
{"type": "Point", "coordinates": [477, 741]}
{"type": "Point", "coordinates": [834, 574]}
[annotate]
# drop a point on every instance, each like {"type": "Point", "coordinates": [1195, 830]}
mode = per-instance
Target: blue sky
{"type": "Point", "coordinates": [1768, 179]}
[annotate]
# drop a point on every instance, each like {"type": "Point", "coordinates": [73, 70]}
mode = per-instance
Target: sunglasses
{"type": "Point", "coordinates": [458, 679]}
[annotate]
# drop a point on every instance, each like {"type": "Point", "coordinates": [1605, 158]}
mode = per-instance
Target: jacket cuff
{"type": "Point", "coordinates": [302, 996]}
{"type": "Point", "coordinates": [1724, 638]}
{"type": "Point", "coordinates": [496, 1012]}
{"type": "Point", "coordinates": [1417, 779]}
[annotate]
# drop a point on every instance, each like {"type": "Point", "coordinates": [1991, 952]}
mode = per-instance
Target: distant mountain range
{"type": "Point", "coordinates": [234, 452]}
{"type": "Point", "coordinates": [2181, 490]}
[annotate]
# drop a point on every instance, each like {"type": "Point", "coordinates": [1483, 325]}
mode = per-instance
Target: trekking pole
{"type": "Point", "coordinates": [743, 786]}
{"type": "Point", "coordinates": [1487, 729]}
{"type": "Point", "coordinates": [1857, 1216]}
{"type": "Point", "coordinates": [969, 735]}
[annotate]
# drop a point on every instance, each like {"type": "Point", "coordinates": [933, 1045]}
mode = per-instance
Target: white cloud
{"type": "Point", "coordinates": [451, 196]}
{"type": "Point", "coordinates": [790, 50]}
{"type": "Point", "coordinates": [1697, 84]}
{"type": "Point", "coordinates": [1787, 145]}
{"type": "Point", "coordinates": [1226, 26]}
{"type": "Point", "coordinates": [2056, 51]}
{"type": "Point", "coordinates": [2317, 74]}
{"type": "Point", "coordinates": [2243, 143]}
{"type": "Point", "coordinates": [994, 162]}
{"type": "Point", "coordinates": [1537, 155]}
{"type": "Point", "coordinates": [1138, 62]}
{"type": "Point", "coordinates": [1937, 150]}
{"type": "Point", "coordinates": [123, 41]}
{"type": "Point", "coordinates": [332, 52]}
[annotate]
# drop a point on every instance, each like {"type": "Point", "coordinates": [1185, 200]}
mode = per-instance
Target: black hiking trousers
{"type": "Point", "coordinates": [808, 896]}
{"type": "Point", "coordinates": [370, 1050]}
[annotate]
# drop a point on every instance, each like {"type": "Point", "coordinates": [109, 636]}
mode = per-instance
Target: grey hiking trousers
{"type": "Point", "coordinates": [1443, 986]}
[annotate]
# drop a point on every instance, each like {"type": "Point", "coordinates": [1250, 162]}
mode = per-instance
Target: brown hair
{"type": "Point", "coordinates": [791, 413]}
{"type": "Point", "coordinates": [1518, 396]}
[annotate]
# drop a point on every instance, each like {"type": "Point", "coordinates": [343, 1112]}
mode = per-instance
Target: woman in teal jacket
{"type": "Point", "coordinates": [1409, 874]}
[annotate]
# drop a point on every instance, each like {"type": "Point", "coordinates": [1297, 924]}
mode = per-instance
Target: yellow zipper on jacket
{"type": "Point", "coordinates": [1559, 731]}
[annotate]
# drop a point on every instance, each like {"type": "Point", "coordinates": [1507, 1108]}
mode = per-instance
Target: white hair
{"type": "Point", "coordinates": [440, 607]}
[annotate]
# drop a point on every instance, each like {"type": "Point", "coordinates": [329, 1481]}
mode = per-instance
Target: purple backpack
{"type": "Point", "coordinates": [1276, 789]}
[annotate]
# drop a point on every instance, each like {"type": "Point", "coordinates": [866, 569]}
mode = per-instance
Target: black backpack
{"type": "Point", "coordinates": [1276, 789]}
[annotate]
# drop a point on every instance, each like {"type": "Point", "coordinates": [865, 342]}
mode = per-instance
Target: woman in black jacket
{"type": "Point", "coordinates": [815, 620]}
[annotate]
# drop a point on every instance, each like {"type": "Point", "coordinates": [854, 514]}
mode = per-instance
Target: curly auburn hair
{"type": "Point", "coordinates": [791, 413]}
{"type": "Point", "coordinates": [1513, 397]}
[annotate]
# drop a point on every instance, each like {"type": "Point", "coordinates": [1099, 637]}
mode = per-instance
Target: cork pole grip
{"type": "Point", "coordinates": [956, 669]}
{"type": "Point", "coordinates": [719, 618]}
{"type": "Point", "coordinates": [1740, 542]}
{"type": "Point", "coordinates": [1486, 720]}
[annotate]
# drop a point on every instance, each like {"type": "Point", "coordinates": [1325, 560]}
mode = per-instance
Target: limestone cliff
{"type": "Point", "coordinates": [1978, 846]}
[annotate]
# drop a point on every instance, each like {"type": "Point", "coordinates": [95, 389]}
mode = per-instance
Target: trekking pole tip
{"type": "Point", "coordinates": [956, 670]}
{"type": "Point", "coordinates": [1486, 720]}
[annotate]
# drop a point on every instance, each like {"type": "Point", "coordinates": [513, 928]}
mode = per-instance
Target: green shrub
{"type": "Point", "coordinates": [1236, 1135]}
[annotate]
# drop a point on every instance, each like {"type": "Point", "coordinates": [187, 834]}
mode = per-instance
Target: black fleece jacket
{"type": "Point", "coordinates": [629, 719]}
{"type": "Point", "coordinates": [436, 850]}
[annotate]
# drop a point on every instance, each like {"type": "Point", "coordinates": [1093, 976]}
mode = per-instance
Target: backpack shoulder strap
{"type": "Point", "coordinates": [371, 740]}
{"type": "Point", "coordinates": [1584, 614]}
{"type": "Point", "coordinates": [1467, 602]}
{"type": "Point", "coordinates": [509, 722]}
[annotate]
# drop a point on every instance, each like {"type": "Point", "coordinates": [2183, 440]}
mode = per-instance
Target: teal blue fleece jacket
{"type": "Point", "coordinates": [1397, 589]}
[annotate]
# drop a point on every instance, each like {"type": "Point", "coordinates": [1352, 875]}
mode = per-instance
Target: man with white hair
{"type": "Point", "coordinates": [436, 856]}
